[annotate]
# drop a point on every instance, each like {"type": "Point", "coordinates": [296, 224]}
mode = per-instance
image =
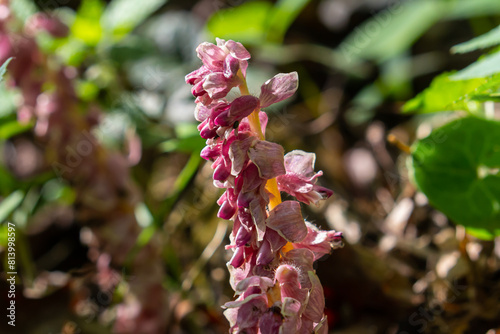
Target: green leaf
{"type": "Point", "coordinates": [86, 26]}
{"type": "Point", "coordinates": [187, 140]}
{"type": "Point", "coordinates": [246, 23]}
{"type": "Point", "coordinates": [12, 128]}
{"type": "Point", "coordinates": [256, 22]}
{"type": "Point", "coordinates": [87, 90]}
{"type": "Point", "coordinates": [464, 9]}
{"type": "Point", "coordinates": [458, 168]}
{"type": "Point", "coordinates": [122, 16]}
{"type": "Point", "coordinates": [132, 48]}
{"type": "Point", "coordinates": [3, 68]}
{"type": "Point", "coordinates": [8, 181]}
{"type": "Point", "coordinates": [180, 184]}
{"type": "Point", "coordinates": [8, 106]}
{"type": "Point", "coordinates": [73, 52]}
{"type": "Point", "coordinates": [484, 41]}
{"type": "Point", "coordinates": [445, 94]}
{"type": "Point", "coordinates": [484, 67]}
{"type": "Point", "coordinates": [10, 203]}
{"type": "Point", "coordinates": [392, 31]}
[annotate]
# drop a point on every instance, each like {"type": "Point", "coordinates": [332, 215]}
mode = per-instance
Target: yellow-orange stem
{"type": "Point", "coordinates": [272, 188]}
{"type": "Point", "coordinates": [272, 184]}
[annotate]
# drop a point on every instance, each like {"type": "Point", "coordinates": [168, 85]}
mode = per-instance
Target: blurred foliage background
{"type": "Point", "coordinates": [141, 195]}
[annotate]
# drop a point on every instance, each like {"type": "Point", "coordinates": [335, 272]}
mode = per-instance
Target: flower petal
{"type": "Point", "coordinates": [258, 211]}
{"type": "Point", "coordinates": [279, 88]}
{"type": "Point", "coordinates": [286, 219]}
{"type": "Point", "coordinates": [320, 242]}
{"type": "Point", "coordinates": [270, 322]}
{"type": "Point", "coordinates": [250, 312]}
{"type": "Point", "coordinates": [211, 55]}
{"type": "Point", "coordinates": [216, 85]}
{"type": "Point", "coordinates": [300, 162]}
{"type": "Point", "coordinates": [243, 106]}
{"type": "Point", "coordinates": [238, 153]}
{"type": "Point", "coordinates": [268, 157]}
{"type": "Point", "coordinates": [237, 50]}
{"type": "Point", "coordinates": [264, 283]}
{"type": "Point", "coordinates": [322, 327]}
{"type": "Point", "coordinates": [316, 304]}
{"type": "Point", "coordinates": [290, 311]}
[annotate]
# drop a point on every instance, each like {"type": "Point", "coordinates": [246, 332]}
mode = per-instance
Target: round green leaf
{"type": "Point", "coordinates": [458, 168]}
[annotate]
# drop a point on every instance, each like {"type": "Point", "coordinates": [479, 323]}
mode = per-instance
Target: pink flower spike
{"type": "Point", "coordinates": [286, 219]}
{"type": "Point", "coordinates": [279, 88]}
{"type": "Point", "coordinates": [278, 291]}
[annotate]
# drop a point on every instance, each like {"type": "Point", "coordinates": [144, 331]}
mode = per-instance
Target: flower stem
{"type": "Point", "coordinates": [254, 120]}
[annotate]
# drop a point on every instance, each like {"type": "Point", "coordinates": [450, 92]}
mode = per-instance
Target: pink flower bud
{"type": "Point", "coordinates": [279, 88]}
{"type": "Point", "coordinates": [211, 55]}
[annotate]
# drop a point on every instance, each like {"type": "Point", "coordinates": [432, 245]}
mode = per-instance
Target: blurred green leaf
{"type": "Point", "coordinates": [87, 90]}
{"type": "Point", "coordinates": [122, 16]}
{"type": "Point", "coordinates": [484, 67]}
{"type": "Point", "coordinates": [464, 9]}
{"type": "Point", "coordinates": [23, 9]}
{"type": "Point", "coordinates": [364, 104]}
{"type": "Point", "coordinates": [457, 168]}
{"type": "Point", "coordinates": [395, 29]}
{"type": "Point", "coordinates": [55, 190]}
{"type": "Point", "coordinates": [187, 140]}
{"type": "Point", "coordinates": [186, 130]}
{"type": "Point", "coordinates": [484, 41]}
{"type": "Point", "coordinates": [445, 94]}
{"type": "Point", "coordinates": [256, 22]}
{"type": "Point", "coordinates": [391, 31]}
{"type": "Point", "coordinates": [132, 48]}
{"type": "Point", "coordinates": [3, 68]}
{"type": "Point", "coordinates": [10, 203]}
{"type": "Point", "coordinates": [8, 182]}
{"type": "Point", "coordinates": [246, 23]}
{"type": "Point", "coordinates": [284, 13]}
{"type": "Point", "coordinates": [487, 98]}
{"type": "Point", "coordinates": [143, 215]}
{"type": "Point", "coordinates": [86, 26]}
{"type": "Point", "coordinates": [11, 128]}
{"type": "Point", "coordinates": [180, 184]}
{"type": "Point", "coordinates": [73, 51]}
{"type": "Point", "coordinates": [8, 106]}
